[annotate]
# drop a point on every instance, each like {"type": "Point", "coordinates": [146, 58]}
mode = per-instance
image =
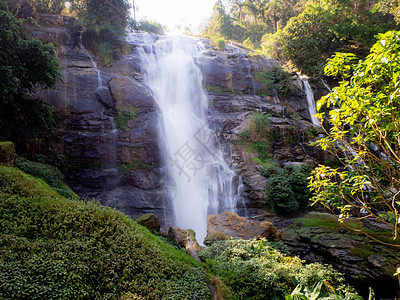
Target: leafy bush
{"type": "Point", "coordinates": [317, 292]}
{"type": "Point", "coordinates": [51, 175]}
{"type": "Point", "coordinates": [279, 81]}
{"type": "Point", "coordinates": [280, 195]}
{"type": "Point", "coordinates": [255, 270]}
{"type": "Point", "coordinates": [287, 190]}
{"type": "Point", "coordinates": [54, 248]}
{"type": "Point", "coordinates": [269, 169]}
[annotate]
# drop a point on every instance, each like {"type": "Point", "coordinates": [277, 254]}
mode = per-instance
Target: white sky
{"type": "Point", "coordinates": [175, 12]}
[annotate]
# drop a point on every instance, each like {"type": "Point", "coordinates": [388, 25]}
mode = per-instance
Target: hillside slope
{"type": "Point", "coordinates": [54, 248]}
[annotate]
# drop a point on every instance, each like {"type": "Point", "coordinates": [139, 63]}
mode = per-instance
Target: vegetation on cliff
{"type": "Point", "coordinates": [54, 248]}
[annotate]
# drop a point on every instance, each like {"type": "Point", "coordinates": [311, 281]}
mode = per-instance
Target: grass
{"type": "Point", "coordinates": [55, 248]}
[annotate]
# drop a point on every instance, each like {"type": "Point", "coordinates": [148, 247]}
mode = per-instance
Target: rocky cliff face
{"type": "Point", "coordinates": [110, 136]}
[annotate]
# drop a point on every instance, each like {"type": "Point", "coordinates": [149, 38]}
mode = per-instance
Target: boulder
{"type": "Point", "coordinates": [178, 235]}
{"type": "Point", "coordinates": [7, 153]}
{"type": "Point", "coordinates": [228, 224]}
{"type": "Point", "coordinates": [149, 221]}
{"type": "Point", "coordinates": [185, 239]}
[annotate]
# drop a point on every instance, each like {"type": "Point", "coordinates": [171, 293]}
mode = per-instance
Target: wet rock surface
{"type": "Point", "coordinates": [364, 262]}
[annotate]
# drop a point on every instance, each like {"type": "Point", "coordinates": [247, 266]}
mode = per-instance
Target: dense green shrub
{"type": "Point", "coordinates": [322, 290]}
{"type": "Point", "coordinates": [288, 190]}
{"type": "Point", "coordinates": [51, 175]}
{"type": "Point", "coordinates": [255, 270]}
{"type": "Point", "coordinates": [277, 81]}
{"type": "Point", "coordinates": [280, 196]}
{"type": "Point", "coordinates": [54, 248]}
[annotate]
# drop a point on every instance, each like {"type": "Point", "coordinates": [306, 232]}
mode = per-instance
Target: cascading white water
{"type": "Point", "coordinates": [326, 86]}
{"type": "Point", "coordinates": [311, 102]}
{"type": "Point", "coordinates": [99, 80]}
{"type": "Point", "coordinates": [194, 162]}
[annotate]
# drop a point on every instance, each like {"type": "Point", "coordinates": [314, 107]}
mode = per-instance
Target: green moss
{"type": "Point", "coordinates": [55, 248]}
{"type": "Point", "coordinates": [124, 116]}
{"type": "Point", "coordinates": [352, 226]}
{"type": "Point", "coordinates": [214, 88]}
{"type": "Point", "coordinates": [6, 147]}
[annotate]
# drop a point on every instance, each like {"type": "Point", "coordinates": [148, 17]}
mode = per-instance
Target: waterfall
{"type": "Point", "coordinates": [203, 183]}
{"type": "Point", "coordinates": [311, 102]}
{"type": "Point", "coordinates": [94, 65]}
{"type": "Point", "coordinates": [248, 67]}
{"type": "Point", "coordinates": [326, 86]}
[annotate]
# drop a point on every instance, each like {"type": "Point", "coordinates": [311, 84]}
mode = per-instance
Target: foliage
{"type": "Point", "coordinates": [53, 248]}
{"type": "Point", "coordinates": [6, 147]}
{"type": "Point", "coordinates": [42, 6]}
{"type": "Point", "coordinates": [103, 24]}
{"type": "Point", "coordinates": [390, 7]}
{"type": "Point", "coordinates": [256, 269]}
{"type": "Point", "coordinates": [221, 43]}
{"type": "Point", "coordinates": [149, 26]}
{"type": "Point", "coordinates": [50, 174]}
{"type": "Point", "coordinates": [323, 29]}
{"type": "Point", "coordinates": [364, 135]}
{"type": "Point", "coordinates": [124, 116]}
{"type": "Point", "coordinates": [269, 169]}
{"type": "Point", "coordinates": [287, 190]}
{"type": "Point", "coordinates": [24, 64]}
{"type": "Point", "coordinates": [303, 293]}
{"type": "Point", "coordinates": [25, 117]}
{"type": "Point", "coordinates": [277, 81]}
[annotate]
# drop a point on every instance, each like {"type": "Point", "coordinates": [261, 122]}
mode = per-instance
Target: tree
{"type": "Point", "coordinates": [390, 7]}
{"type": "Point", "coordinates": [25, 63]}
{"type": "Point", "coordinates": [363, 132]}
{"type": "Point", "coordinates": [103, 23]}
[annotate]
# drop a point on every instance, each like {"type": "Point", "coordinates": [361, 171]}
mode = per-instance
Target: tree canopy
{"type": "Point", "coordinates": [25, 63]}
{"type": "Point", "coordinates": [362, 127]}
{"type": "Point", "coordinates": [303, 33]}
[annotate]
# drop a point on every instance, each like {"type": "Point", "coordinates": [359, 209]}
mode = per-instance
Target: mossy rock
{"type": "Point", "coordinates": [7, 153]}
{"type": "Point", "coordinates": [149, 221]}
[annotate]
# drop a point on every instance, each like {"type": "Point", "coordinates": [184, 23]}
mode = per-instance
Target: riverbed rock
{"type": "Point", "coordinates": [229, 224]}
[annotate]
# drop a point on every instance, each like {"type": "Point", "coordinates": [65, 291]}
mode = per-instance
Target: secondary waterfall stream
{"type": "Point", "coordinates": [311, 102]}
{"type": "Point", "coordinates": [201, 181]}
